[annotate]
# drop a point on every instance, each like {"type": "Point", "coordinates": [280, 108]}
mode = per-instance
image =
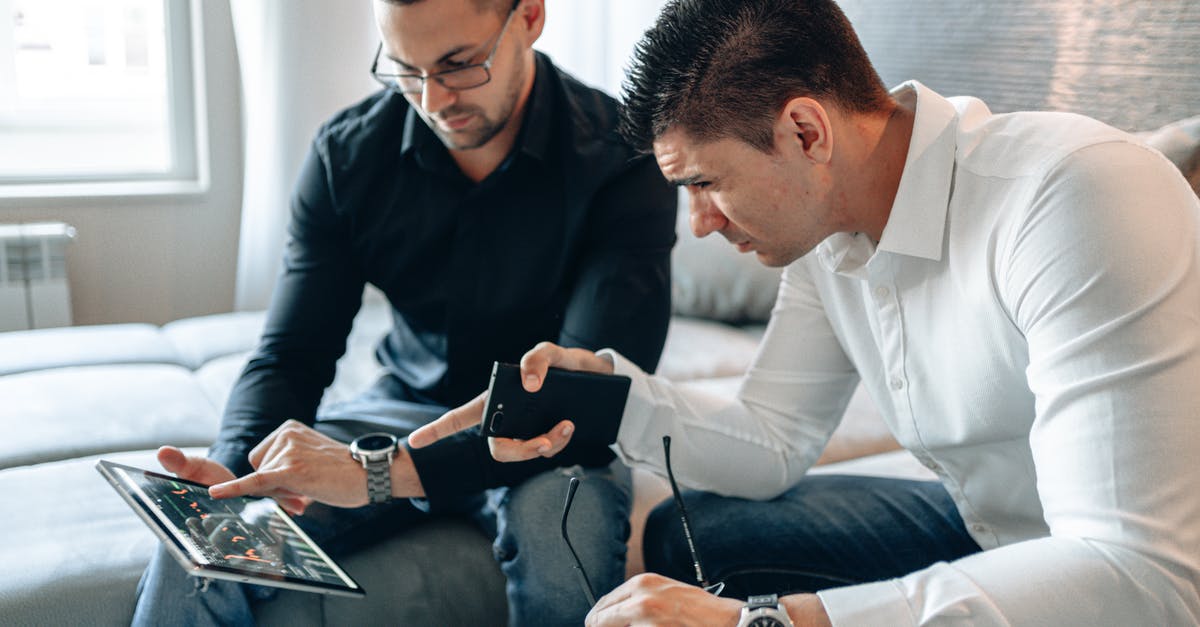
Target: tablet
{"type": "Point", "coordinates": [249, 540]}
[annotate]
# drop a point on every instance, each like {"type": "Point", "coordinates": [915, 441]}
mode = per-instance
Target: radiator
{"type": "Point", "coordinates": [34, 292]}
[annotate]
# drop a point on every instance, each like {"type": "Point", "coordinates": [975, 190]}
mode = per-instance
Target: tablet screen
{"type": "Point", "coordinates": [244, 535]}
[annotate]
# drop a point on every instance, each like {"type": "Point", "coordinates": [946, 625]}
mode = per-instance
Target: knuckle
{"type": "Point", "coordinates": [643, 605]}
{"type": "Point", "coordinates": [645, 581]}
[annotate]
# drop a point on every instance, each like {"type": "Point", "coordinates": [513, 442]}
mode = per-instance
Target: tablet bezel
{"type": "Point", "coordinates": [181, 553]}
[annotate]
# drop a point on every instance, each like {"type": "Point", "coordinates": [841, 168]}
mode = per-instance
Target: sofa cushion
{"type": "Point", "coordinates": [95, 409]}
{"type": "Point", "coordinates": [701, 349]}
{"type": "Point", "coordinates": [356, 371]}
{"type": "Point", "coordinates": [218, 347]}
{"type": "Point", "coordinates": [25, 351]}
{"type": "Point", "coordinates": [76, 551]}
{"type": "Point", "coordinates": [202, 339]}
{"type": "Point", "coordinates": [711, 279]}
{"type": "Point", "coordinates": [216, 378]}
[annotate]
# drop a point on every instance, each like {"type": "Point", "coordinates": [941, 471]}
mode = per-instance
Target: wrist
{"type": "Point", "coordinates": [376, 452]}
{"type": "Point", "coordinates": [806, 610]}
{"type": "Point", "coordinates": [406, 483]}
{"type": "Point", "coordinates": [765, 611]}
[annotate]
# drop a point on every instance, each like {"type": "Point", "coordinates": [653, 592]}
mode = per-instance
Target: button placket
{"type": "Point", "coordinates": [883, 294]}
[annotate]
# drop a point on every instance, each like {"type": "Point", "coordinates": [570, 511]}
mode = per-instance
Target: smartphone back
{"type": "Point", "coordinates": [593, 401]}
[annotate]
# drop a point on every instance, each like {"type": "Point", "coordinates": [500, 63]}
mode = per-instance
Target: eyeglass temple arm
{"type": "Point", "coordinates": [687, 526]}
{"type": "Point", "coordinates": [583, 578]}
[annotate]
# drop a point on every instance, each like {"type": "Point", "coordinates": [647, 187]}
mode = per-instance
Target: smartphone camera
{"type": "Point", "coordinates": [497, 420]}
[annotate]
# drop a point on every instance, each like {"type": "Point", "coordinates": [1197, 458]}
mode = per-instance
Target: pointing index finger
{"type": "Point", "coordinates": [453, 421]}
{"type": "Point", "coordinates": [258, 482]}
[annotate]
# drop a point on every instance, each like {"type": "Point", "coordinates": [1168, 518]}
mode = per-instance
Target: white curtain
{"type": "Point", "coordinates": [301, 61]}
{"type": "Point", "coordinates": [594, 40]}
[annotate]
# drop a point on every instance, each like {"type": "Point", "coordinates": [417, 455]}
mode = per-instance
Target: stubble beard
{"type": "Point", "coordinates": [490, 127]}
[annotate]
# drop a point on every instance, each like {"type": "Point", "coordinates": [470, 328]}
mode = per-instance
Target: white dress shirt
{"type": "Point", "coordinates": [1029, 328]}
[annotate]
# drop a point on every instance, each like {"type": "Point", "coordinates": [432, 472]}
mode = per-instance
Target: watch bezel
{"type": "Point", "coordinates": [363, 453]}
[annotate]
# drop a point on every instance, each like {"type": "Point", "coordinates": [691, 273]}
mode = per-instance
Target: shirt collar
{"type": "Point", "coordinates": [917, 223]}
{"type": "Point", "coordinates": [534, 139]}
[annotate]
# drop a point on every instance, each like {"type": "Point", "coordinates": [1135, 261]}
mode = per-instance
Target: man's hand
{"type": "Point", "coordinates": [192, 468]}
{"type": "Point", "coordinates": [650, 599]}
{"type": "Point", "coordinates": [208, 472]}
{"type": "Point", "coordinates": [301, 464]}
{"type": "Point", "coordinates": [534, 365]}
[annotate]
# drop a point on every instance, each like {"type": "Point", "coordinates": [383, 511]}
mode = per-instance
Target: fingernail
{"type": "Point", "coordinates": [543, 449]}
{"type": "Point", "coordinates": [566, 430]}
{"type": "Point", "coordinates": [530, 379]}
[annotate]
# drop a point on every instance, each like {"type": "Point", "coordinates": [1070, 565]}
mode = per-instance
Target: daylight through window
{"type": "Point", "coordinates": [94, 90]}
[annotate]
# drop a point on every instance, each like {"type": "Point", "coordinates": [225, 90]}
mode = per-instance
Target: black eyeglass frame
{"type": "Point", "coordinates": [586, 585]}
{"type": "Point", "coordinates": [396, 80]}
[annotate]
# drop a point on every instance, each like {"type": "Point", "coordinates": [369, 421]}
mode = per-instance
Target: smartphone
{"type": "Point", "coordinates": [593, 401]}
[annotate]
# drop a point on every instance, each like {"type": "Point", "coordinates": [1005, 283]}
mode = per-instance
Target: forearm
{"type": "Point", "coordinates": [769, 448]}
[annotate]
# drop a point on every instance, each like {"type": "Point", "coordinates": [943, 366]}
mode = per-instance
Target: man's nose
{"type": "Point", "coordinates": [435, 97]}
{"type": "Point", "coordinates": [703, 214]}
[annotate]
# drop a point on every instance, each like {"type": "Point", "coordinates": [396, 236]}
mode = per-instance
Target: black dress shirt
{"type": "Point", "coordinates": [568, 240]}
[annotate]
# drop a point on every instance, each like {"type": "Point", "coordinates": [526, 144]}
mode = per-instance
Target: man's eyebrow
{"type": "Point", "coordinates": [690, 180]}
{"type": "Point", "coordinates": [444, 58]}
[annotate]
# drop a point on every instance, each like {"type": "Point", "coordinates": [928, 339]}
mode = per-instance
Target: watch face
{"type": "Point", "coordinates": [765, 621]}
{"type": "Point", "coordinates": [375, 442]}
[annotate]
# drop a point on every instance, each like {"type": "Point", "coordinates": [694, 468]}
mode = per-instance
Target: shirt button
{"type": "Point", "coordinates": [978, 528]}
{"type": "Point", "coordinates": [897, 383]}
{"type": "Point", "coordinates": [882, 292]}
{"type": "Point", "coordinates": [930, 464]}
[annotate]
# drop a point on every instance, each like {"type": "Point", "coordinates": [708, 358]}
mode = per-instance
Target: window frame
{"type": "Point", "coordinates": [187, 128]}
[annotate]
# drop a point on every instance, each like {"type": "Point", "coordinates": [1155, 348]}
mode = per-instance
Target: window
{"type": "Point", "coordinates": [96, 91]}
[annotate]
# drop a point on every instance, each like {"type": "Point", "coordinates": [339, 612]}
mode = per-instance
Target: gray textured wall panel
{"type": "Point", "coordinates": [1133, 64]}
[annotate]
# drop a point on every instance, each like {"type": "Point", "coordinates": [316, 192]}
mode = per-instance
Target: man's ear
{"type": "Point", "coordinates": [532, 17]}
{"type": "Point", "coordinates": [806, 123]}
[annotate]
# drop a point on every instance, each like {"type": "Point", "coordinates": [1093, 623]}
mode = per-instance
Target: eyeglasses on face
{"type": "Point", "coordinates": [586, 585]}
{"type": "Point", "coordinates": [455, 79]}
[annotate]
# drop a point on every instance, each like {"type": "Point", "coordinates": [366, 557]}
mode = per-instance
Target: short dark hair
{"type": "Point", "coordinates": [723, 68]}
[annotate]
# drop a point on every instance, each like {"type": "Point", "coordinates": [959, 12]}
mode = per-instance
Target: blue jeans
{"type": "Point", "coordinates": [524, 521]}
{"type": "Point", "coordinates": [827, 531]}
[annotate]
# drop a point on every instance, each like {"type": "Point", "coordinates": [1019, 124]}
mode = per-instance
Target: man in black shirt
{"type": "Point", "coordinates": [487, 195]}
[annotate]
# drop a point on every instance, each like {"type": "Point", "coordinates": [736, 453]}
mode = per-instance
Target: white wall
{"type": "Point", "coordinates": [156, 259]}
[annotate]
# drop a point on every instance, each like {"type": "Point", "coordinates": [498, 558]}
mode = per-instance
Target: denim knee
{"type": "Point", "coordinates": [543, 588]}
{"type": "Point", "coordinates": [664, 546]}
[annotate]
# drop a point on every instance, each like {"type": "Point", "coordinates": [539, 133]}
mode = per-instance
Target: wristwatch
{"type": "Point", "coordinates": [764, 611]}
{"type": "Point", "coordinates": [375, 452]}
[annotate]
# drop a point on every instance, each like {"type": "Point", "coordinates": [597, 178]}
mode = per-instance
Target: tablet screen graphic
{"type": "Point", "coordinates": [242, 539]}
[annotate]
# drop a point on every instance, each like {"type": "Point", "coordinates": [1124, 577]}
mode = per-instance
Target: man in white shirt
{"type": "Point", "coordinates": [1020, 294]}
